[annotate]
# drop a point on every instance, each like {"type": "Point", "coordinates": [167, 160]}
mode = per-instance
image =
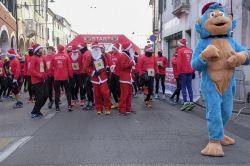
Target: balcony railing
{"type": "Point", "coordinates": [180, 6]}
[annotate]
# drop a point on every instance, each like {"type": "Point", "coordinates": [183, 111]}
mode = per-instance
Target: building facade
{"type": "Point", "coordinates": [7, 25]}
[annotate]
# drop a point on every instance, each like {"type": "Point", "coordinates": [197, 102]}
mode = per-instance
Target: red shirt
{"type": "Point", "coordinates": [163, 62]}
{"type": "Point", "coordinates": [148, 65]}
{"type": "Point", "coordinates": [15, 68]}
{"type": "Point", "coordinates": [61, 67]}
{"type": "Point", "coordinates": [126, 66]}
{"type": "Point", "coordinates": [84, 57]}
{"type": "Point", "coordinates": [2, 71]}
{"type": "Point", "coordinates": [174, 65]}
{"type": "Point", "coordinates": [77, 65]}
{"type": "Point", "coordinates": [37, 69]}
{"type": "Point", "coordinates": [27, 65]}
{"type": "Point", "coordinates": [184, 57]}
{"type": "Point", "coordinates": [47, 60]}
{"type": "Point", "coordinates": [114, 59]}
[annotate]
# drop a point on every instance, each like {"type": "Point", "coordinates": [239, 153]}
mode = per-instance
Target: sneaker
{"type": "Point", "coordinates": [135, 95]}
{"type": "Point", "coordinates": [185, 106]}
{"type": "Point", "coordinates": [81, 103]}
{"type": "Point", "coordinates": [107, 112]}
{"type": "Point", "coordinates": [114, 106]}
{"type": "Point", "coordinates": [148, 104]}
{"type": "Point", "coordinates": [191, 106]}
{"type": "Point", "coordinates": [40, 114]}
{"type": "Point", "coordinates": [1, 100]}
{"type": "Point", "coordinates": [18, 105]}
{"type": "Point", "coordinates": [73, 102]}
{"type": "Point", "coordinates": [122, 114]}
{"type": "Point", "coordinates": [156, 96]}
{"type": "Point", "coordinates": [70, 109]}
{"type": "Point", "coordinates": [163, 97]}
{"type": "Point", "coordinates": [50, 104]}
{"type": "Point", "coordinates": [30, 100]}
{"type": "Point", "coordinates": [99, 112]}
{"type": "Point", "coordinates": [33, 116]}
{"type": "Point", "coordinates": [58, 110]}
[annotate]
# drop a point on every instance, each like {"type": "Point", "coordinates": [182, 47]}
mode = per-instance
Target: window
{"type": "Point", "coordinates": [165, 4]}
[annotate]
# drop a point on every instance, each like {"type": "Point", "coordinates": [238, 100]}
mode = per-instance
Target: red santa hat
{"type": "Point", "coordinates": [182, 42]}
{"type": "Point", "coordinates": [36, 47]}
{"type": "Point", "coordinates": [116, 46]}
{"type": "Point", "coordinates": [60, 48]}
{"type": "Point", "coordinates": [82, 45]}
{"type": "Point", "coordinates": [205, 7]}
{"type": "Point", "coordinates": [101, 46]}
{"type": "Point", "coordinates": [126, 46]}
{"type": "Point", "coordinates": [11, 52]}
{"type": "Point", "coordinates": [95, 44]}
{"type": "Point", "coordinates": [74, 48]}
{"type": "Point", "coordinates": [148, 48]}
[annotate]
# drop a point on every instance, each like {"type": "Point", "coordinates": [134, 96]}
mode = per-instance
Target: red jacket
{"type": "Point", "coordinates": [184, 57]}
{"type": "Point", "coordinates": [15, 68]}
{"type": "Point", "coordinates": [115, 58]}
{"type": "Point", "coordinates": [126, 65]}
{"type": "Point", "coordinates": [37, 69]}
{"type": "Point", "coordinates": [163, 62]}
{"type": "Point", "coordinates": [27, 65]}
{"type": "Point", "coordinates": [47, 61]}
{"type": "Point", "coordinates": [61, 67]}
{"type": "Point", "coordinates": [85, 56]}
{"type": "Point", "coordinates": [77, 65]}
{"type": "Point", "coordinates": [148, 65]}
{"type": "Point", "coordinates": [108, 59]}
{"type": "Point", "coordinates": [90, 66]}
{"type": "Point", "coordinates": [2, 71]}
{"type": "Point", "coordinates": [174, 65]}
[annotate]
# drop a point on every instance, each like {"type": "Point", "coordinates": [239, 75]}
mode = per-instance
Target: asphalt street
{"type": "Point", "coordinates": [163, 135]}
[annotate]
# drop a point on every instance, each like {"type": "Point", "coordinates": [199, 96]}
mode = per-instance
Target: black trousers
{"type": "Point", "coordinates": [148, 82]}
{"type": "Point", "coordinates": [30, 87]}
{"type": "Point", "coordinates": [41, 95]}
{"type": "Point", "coordinates": [157, 81]}
{"type": "Point", "coordinates": [177, 90]}
{"type": "Point", "coordinates": [3, 84]}
{"type": "Point", "coordinates": [114, 87]}
{"type": "Point", "coordinates": [89, 89]}
{"type": "Point", "coordinates": [25, 84]}
{"type": "Point", "coordinates": [57, 86]}
{"type": "Point", "coordinates": [136, 82]}
{"type": "Point", "coordinates": [50, 83]}
{"type": "Point", "coordinates": [76, 84]}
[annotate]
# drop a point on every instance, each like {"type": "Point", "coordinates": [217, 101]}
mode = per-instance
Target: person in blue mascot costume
{"type": "Point", "coordinates": [216, 56]}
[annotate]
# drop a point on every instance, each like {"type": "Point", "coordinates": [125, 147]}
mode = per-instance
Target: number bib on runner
{"type": "Point", "coordinates": [75, 66]}
{"type": "Point", "coordinates": [48, 65]}
{"type": "Point", "coordinates": [41, 67]}
{"type": "Point", "coordinates": [151, 72]}
{"type": "Point", "coordinates": [99, 65]}
{"type": "Point", "coordinates": [159, 63]}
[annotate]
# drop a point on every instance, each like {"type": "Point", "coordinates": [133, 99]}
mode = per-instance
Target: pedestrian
{"type": "Point", "coordinates": [50, 81]}
{"type": "Point", "coordinates": [27, 73]}
{"type": "Point", "coordinates": [115, 73]}
{"type": "Point", "coordinates": [15, 71]}
{"type": "Point", "coordinates": [62, 71]}
{"type": "Point", "coordinates": [162, 63]}
{"type": "Point", "coordinates": [3, 77]}
{"type": "Point", "coordinates": [96, 66]}
{"type": "Point", "coordinates": [85, 78]}
{"type": "Point", "coordinates": [147, 69]}
{"type": "Point", "coordinates": [126, 64]}
{"type": "Point", "coordinates": [184, 56]}
{"type": "Point", "coordinates": [177, 78]}
{"type": "Point", "coordinates": [38, 80]}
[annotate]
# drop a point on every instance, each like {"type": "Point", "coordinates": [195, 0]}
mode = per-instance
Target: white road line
{"type": "Point", "coordinates": [49, 116]}
{"type": "Point", "coordinates": [12, 148]}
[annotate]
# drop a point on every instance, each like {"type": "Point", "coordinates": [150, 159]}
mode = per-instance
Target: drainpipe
{"type": "Point", "coordinates": [16, 25]}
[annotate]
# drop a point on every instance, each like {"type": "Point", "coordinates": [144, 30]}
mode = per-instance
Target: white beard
{"type": "Point", "coordinates": [96, 53]}
{"type": "Point", "coordinates": [74, 56]}
{"type": "Point", "coordinates": [131, 52]}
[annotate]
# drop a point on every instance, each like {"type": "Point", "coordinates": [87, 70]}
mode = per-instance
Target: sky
{"type": "Point", "coordinates": [108, 17]}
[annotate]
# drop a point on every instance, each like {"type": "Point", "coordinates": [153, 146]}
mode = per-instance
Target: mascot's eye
{"type": "Point", "coordinates": [221, 14]}
{"type": "Point", "coordinates": [212, 14]}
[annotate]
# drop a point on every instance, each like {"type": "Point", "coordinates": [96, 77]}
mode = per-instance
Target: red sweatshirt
{"type": "Point", "coordinates": [2, 71]}
{"type": "Point", "coordinates": [108, 58]}
{"type": "Point", "coordinates": [61, 67]}
{"type": "Point", "coordinates": [184, 57]}
{"type": "Point", "coordinates": [47, 60]}
{"type": "Point", "coordinates": [37, 69]}
{"type": "Point", "coordinates": [84, 57]}
{"type": "Point", "coordinates": [148, 65]}
{"type": "Point", "coordinates": [163, 62]}
{"type": "Point", "coordinates": [126, 66]}
{"type": "Point", "coordinates": [76, 64]}
{"type": "Point", "coordinates": [115, 59]}
{"type": "Point", "coordinates": [15, 68]}
{"type": "Point", "coordinates": [27, 65]}
{"type": "Point", "coordinates": [174, 65]}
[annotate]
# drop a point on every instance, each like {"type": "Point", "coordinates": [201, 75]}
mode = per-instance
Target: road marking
{"type": "Point", "coordinates": [4, 142]}
{"type": "Point", "coordinates": [49, 116]}
{"type": "Point", "coordinates": [12, 148]}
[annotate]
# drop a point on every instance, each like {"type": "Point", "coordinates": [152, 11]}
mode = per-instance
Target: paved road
{"type": "Point", "coordinates": [160, 136]}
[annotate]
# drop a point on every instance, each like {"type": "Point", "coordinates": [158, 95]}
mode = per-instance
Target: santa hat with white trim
{"type": "Point", "coordinates": [126, 46]}
{"type": "Point", "coordinates": [36, 47]}
{"type": "Point", "coordinates": [95, 44]}
{"type": "Point", "coordinates": [11, 52]}
{"type": "Point", "coordinates": [116, 46]}
{"type": "Point", "coordinates": [182, 42]}
{"type": "Point", "coordinates": [148, 48]}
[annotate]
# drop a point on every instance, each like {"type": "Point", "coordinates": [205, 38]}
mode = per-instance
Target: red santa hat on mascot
{"type": "Point", "coordinates": [182, 42]}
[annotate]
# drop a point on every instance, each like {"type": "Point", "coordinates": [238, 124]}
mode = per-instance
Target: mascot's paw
{"type": "Point", "coordinates": [211, 52]}
{"type": "Point", "coordinates": [236, 59]}
{"type": "Point", "coordinates": [213, 149]}
{"type": "Point", "coordinates": [227, 141]}
{"type": "Point", "coordinates": [232, 61]}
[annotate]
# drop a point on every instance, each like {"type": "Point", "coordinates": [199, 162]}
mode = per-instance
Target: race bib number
{"type": "Point", "coordinates": [99, 65]}
{"type": "Point", "coordinates": [151, 72]}
{"type": "Point", "coordinates": [10, 70]}
{"type": "Point", "coordinates": [28, 65]}
{"type": "Point", "coordinates": [48, 65]}
{"type": "Point", "coordinates": [41, 67]}
{"type": "Point", "coordinates": [75, 66]}
{"type": "Point", "coordinates": [159, 63]}
{"type": "Point", "coordinates": [1, 71]}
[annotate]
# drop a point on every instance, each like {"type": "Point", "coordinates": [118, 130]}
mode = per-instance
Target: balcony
{"type": "Point", "coordinates": [30, 28]}
{"type": "Point", "coordinates": [180, 6]}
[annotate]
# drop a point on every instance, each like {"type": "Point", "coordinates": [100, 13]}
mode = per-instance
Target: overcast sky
{"type": "Point", "coordinates": [108, 17]}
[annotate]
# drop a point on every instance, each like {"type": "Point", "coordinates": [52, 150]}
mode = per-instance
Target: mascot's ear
{"type": "Point", "coordinates": [198, 25]}
{"type": "Point", "coordinates": [233, 24]}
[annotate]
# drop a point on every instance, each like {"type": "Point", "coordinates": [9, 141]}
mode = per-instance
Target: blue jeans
{"type": "Point", "coordinates": [186, 83]}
